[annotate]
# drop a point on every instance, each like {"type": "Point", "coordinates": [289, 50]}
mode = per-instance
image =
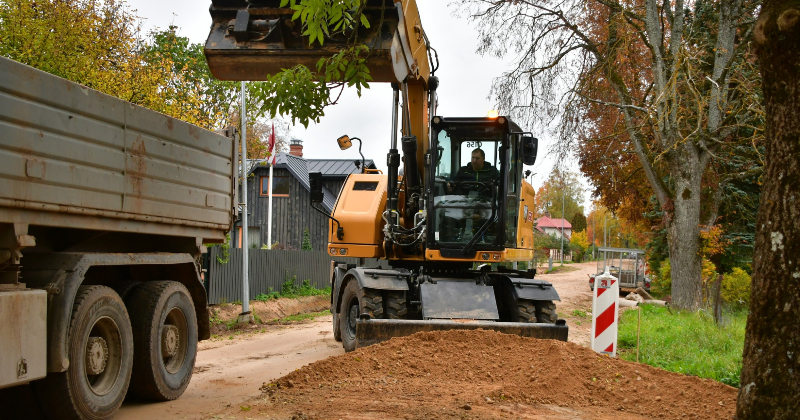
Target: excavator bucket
{"type": "Point", "coordinates": [374, 331]}
{"type": "Point", "coordinates": [253, 39]}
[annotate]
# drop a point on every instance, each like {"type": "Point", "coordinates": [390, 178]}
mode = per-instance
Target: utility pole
{"type": "Point", "coordinates": [563, 216]}
{"type": "Point", "coordinates": [245, 316]}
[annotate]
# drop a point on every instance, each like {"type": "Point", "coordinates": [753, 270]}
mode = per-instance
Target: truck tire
{"type": "Point", "coordinates": [100, 360]}
{"type": "Point", "coordinates": [164, 338]}
{"type": "Point", "coordinates": [546, 312]}
{"type": "Point", "coordinates": [355, 302]}
{"type": "Point", "coordinates": [394, 304]}
{"type": "Point", "coordinates": [526, 311]}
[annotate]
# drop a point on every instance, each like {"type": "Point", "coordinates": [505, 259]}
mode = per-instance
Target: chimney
{"type": "Point", "coordinates": [296, 147]}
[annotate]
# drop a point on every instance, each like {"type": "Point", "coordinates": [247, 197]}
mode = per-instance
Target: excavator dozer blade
{"type": "Point", "coordinates": [374, 331]}
{"type": "Point", "coordinates": [253, 39]}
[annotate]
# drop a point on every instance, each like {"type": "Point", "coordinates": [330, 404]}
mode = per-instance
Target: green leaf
{"type": "Point", "coordinates": [364, 21]}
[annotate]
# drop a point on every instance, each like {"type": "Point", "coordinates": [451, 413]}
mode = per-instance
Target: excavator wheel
{"type": "Point", "coordinates": [526, 311]}
{"type": "Point", "coordinates": [394, 304]}
{"type": "Point", "coordinates": [356, 302]}
{"type": "Point", "coordinates": [546, 312]}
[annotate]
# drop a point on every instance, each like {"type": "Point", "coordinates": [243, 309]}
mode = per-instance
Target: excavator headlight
{"type": "Point", "coordinates": [333, 251]}
{"type": "Point", "coordinates": [501, 120]}
{"type": "Point", "coordinates": [437, 120]}
{"type": "Point", "coordinates": [342, 251]}
{"type": "Point", "coordinates": [485, 255]}
{"type": "Point", "coordinates": [496, 257]}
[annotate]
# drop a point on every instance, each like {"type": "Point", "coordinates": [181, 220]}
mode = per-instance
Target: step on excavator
{"type": "Point", "coordinates": [446, 218]}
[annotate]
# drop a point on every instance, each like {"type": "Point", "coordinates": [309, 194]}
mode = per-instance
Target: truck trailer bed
{"type": "Point", "coordinates": [73, 157]}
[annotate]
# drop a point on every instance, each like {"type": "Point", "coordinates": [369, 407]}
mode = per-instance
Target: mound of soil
{"type": "Point", "coordinates": [485, 374]}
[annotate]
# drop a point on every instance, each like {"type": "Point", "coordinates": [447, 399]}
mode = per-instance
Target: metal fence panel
{"type": "Point", "coordinates": [268, 270]}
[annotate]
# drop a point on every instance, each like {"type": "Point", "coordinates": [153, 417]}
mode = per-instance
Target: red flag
{"type": "Point", "coordinates": [271, 145]}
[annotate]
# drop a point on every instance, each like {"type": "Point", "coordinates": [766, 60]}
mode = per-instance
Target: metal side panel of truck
{"type": "Point", "coordinates": [102, 200]}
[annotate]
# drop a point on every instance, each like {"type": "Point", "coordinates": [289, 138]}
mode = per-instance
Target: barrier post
{"type": "Point", "coordinates": [605, 314]}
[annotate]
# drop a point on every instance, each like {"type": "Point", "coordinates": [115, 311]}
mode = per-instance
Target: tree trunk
{"type": "Point", "coordinates": [771, 371]}
{"type": "Point", "coordinates": [684, 242]}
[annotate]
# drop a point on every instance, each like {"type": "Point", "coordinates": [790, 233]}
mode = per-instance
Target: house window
{"type": "Point", "coordinates": [281, 184]}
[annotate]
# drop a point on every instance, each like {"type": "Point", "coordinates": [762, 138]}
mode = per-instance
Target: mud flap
{"type": "Point", "coordinates": [372, 331]}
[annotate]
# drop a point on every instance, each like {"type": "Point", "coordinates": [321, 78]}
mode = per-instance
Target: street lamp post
{"type": "Point", "coordinates": [563, 199]}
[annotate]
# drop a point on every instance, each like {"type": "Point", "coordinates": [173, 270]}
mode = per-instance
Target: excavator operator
{"type": "Point", "coordinates": [477, 170]}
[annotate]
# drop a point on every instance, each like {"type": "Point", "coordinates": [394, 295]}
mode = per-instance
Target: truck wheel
{"type": "Point", "coordinates": [165, 339]}
{"type": "Point", "coordinates": [546, 312]}
{"type": "Point", "coordinates": [526, 311]}
{"type": "Point", "coordinates": [100, 360]}
{"type": "Point", "coordinates": [357, 301]}
{"type": "Point", "coordinates": [394, 304]}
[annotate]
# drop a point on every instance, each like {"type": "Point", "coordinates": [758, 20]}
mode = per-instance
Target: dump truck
{"type": "Point", "coordinates": [105, 208]}
{"type": "Point", "coordinates": [450, 222]}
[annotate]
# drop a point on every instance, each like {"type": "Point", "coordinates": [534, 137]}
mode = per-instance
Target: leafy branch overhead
{"type": "Point", "coordinates": [302, 93]}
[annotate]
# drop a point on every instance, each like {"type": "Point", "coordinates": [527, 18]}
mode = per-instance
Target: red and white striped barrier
{"type": "Point", "coordinates": [605, 314]}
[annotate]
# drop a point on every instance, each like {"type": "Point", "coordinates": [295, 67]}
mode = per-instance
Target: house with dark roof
{"type": "Point", "coordinates": [291, 208]}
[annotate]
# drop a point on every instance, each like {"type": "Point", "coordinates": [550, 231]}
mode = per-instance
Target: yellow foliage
{"type": "Point", "coordinates": [736, 287]}
{"type": "Point", "coordinates": [580, 239]}
{"type": "Point", "coordinates": [99, 45]}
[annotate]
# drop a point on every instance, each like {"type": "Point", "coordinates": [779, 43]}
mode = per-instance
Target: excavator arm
{"type": "Point", "coordinates": [254, 39]}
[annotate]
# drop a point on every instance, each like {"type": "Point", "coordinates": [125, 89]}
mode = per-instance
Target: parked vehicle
{"type": "Point", "coordinates": [626, 264]}
{"type": "Point", "coordinates": [104, 210]}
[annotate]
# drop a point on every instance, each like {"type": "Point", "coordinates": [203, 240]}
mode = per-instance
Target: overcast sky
{"type": "Point", "coordinates": [465, 80]}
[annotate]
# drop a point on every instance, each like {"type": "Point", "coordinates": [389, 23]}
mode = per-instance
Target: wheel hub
{"type": "Point", "coordinates": [353, 317]}
{"type": "Point", "coordinates": [169, 340]}
{"type": "Point", "coordinates": [96, 355]}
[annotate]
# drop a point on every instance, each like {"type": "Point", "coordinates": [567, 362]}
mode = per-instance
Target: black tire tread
{"type": "Point", "coordinates": [546, 312]}
{"type": "Point", "coordinates": [143, 382]}
{"type": "Point", "coordinates": [372, 303]}
{"type": "Point", "coordinates": [526, 311]}
{"type": "Point", "coordinates": [395, 306]}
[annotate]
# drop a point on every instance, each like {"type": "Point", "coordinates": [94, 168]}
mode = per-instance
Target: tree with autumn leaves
{"type": "Point", "coordinates": [665, 88]}
{"type": "Point", "coordinates": [101, 45]}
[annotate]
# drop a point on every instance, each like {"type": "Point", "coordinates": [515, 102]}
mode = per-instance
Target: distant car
{"type": "Point", "coordinates": [626, 264]}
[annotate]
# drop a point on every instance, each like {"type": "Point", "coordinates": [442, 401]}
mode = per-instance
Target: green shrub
{"type": "Point", "coordinates": [736, 287]}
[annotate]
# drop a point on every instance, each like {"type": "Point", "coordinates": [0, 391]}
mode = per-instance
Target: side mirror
{"type": "Point", "coordinates": [530, 148]}
{"type": "Point", "coordinates": [315, 179]}
{"type": "Point", "coordinates": [344, 142]}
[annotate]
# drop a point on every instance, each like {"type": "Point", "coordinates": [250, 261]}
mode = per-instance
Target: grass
{"type": "Point", "coordinates": [301, 317]}
{"type": "Point", "coordinates": [686, 342]}
{"type": "Point", "coordinates": [290, 290]}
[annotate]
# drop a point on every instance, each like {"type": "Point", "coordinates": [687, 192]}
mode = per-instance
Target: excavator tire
{"type": "Point", "coordinates": [394, 304]}
{"type": "Point", "coordinates": [355, 302]}
{"type": "Point", "coordinates": [526, 311]}
{"type": "Point", "coordinates": [546, 312]}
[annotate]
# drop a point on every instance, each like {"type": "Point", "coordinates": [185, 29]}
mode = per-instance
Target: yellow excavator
{"type": "Point", "coordinates": [447, 217]}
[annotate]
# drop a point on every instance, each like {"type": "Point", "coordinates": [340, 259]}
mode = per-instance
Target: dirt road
{"type": "Point", "coordinates": [229, 373]}
{"type": "Point", "coordinates": [576, 299]}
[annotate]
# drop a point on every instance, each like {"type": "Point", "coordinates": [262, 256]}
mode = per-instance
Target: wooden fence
{"type": "Point", "coordinates": [268, 270]}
